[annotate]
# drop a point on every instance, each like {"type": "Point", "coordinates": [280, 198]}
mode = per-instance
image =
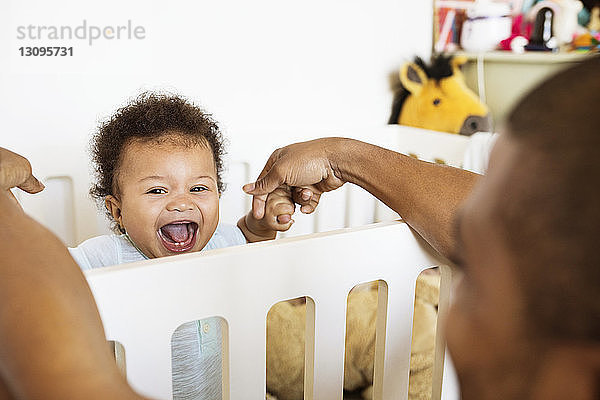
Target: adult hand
{"type": "Point", "coordinates": [45, 302]}
{"type": "Point", "coordinates": [309, 167]}
{"type": "Point", "coordinates": [15, 171]}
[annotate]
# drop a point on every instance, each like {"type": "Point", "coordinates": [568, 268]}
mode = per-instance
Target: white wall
{"type": "Point", "coordinates": [271, 71]}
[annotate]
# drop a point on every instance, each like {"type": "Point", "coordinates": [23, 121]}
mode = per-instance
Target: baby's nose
{"type": "Point", "coordinates": [181, 204]}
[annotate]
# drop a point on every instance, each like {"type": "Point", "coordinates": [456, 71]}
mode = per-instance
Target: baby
{"type": "Point", "coordinates": [159, 167]}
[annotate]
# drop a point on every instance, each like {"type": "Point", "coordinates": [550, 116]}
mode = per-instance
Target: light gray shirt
{"type": "Point", "coordinates": [107, 250]}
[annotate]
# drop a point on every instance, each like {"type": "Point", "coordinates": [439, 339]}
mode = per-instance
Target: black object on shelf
{"type": "Point", "coordinates": [542, 38]}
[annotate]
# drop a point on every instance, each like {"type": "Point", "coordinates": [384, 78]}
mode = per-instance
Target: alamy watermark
{"type": "Point", "coordinates": [84, 31]}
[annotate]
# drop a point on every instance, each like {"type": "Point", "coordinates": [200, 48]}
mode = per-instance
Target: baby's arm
{"type": "Point", "coordinates": [278, 217]}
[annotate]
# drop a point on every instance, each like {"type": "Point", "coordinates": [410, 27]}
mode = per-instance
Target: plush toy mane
{"type": "Point", "coordinates": [439, 68]}
{"type": "Point", "coordinates": [589, 4]}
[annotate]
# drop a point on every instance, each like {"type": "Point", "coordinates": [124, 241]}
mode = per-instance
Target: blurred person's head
{"type": "Point", "coordinates": [526, 321]}
{"type": "Point", "coordinates": [158, 164]}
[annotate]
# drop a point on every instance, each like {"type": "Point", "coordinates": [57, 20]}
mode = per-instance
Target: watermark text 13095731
{"type": "Point", "coordinates": [47, 51]}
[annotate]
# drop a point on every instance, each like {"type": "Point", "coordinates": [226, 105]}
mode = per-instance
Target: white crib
{"type": "Point", "coordinates": [141, 305]}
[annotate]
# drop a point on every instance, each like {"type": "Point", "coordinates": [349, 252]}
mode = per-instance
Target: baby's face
{"type": "Point", "coordinates": [169, 200]}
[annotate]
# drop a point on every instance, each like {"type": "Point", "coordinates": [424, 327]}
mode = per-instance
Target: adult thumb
{"type": "Point", "coordinates": [31, 185]}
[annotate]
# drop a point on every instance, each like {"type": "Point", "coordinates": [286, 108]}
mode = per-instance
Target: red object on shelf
{"type": "Point", "coordinates": [519, 28]}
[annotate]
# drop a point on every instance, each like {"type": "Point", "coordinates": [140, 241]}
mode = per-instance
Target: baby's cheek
{"type": "Point", "coordinates": [210, 211]}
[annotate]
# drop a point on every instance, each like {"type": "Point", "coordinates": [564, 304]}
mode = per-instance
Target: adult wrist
{"type": "Point", "coordinates": [344, 155]}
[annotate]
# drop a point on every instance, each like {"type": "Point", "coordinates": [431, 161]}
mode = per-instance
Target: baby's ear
{"type": "Point", "coordinates": [113, 205]}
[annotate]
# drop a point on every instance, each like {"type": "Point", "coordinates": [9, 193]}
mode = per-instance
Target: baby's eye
{"type": "Point", "coordinates": [156, 191]}
{"type": "Point", "coordinates": [198, 189]}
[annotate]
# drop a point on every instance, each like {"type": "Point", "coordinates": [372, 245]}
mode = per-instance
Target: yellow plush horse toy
{"type": "Point", "coordinates": [436, 97]}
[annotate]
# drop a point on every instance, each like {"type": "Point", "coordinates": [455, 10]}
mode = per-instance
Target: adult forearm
{"type": "Point", "coordinates": [52, 343]}
{"type": "Point", "coordinates": [426, 195]}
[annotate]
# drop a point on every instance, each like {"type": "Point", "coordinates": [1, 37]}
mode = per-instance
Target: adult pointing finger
{"type": "Point", "coordinates": [298, 165]}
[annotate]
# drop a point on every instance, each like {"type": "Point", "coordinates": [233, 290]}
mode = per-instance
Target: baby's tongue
{"type": "Point", "coordinates": [176, 232]}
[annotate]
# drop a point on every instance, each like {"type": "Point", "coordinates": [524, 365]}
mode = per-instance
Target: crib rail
{"type": "Point", "coordinates": [141, 305]}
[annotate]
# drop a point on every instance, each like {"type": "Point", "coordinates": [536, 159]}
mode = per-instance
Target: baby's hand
{"type": "Point", "coordinates": [279, 208]}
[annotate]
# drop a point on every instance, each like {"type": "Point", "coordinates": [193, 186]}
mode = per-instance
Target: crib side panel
{"type": "Point", "coordinates": [142, 304]}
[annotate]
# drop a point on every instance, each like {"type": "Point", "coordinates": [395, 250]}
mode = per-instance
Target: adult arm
{"type": "Point", "coordinates": [425, 195]}
{"type": "Point", "coordinates": [52, 343]}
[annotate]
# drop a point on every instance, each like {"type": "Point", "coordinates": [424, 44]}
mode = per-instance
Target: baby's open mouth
{"type": "Point", "coordinates": [178, 236]}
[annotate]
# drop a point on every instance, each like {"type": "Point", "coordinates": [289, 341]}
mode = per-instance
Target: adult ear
{"type": "Point", "coordinates": [413, 78]}
{"type": "Point", "coordinates": [113, 205]}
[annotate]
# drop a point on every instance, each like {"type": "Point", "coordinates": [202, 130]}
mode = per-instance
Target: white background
{"type": "Point", "coordinates": [270, 71]}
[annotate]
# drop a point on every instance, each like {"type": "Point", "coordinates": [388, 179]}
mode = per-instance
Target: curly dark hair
{"type": "Point", "coordinates": [150, 117]}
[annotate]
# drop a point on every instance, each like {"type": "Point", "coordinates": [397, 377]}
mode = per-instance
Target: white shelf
{"type": "Point", "coordinates": [532, 57]}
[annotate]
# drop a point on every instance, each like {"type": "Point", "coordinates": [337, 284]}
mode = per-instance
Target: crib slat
{"type": "Point", "coordinates": [330, 324]}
